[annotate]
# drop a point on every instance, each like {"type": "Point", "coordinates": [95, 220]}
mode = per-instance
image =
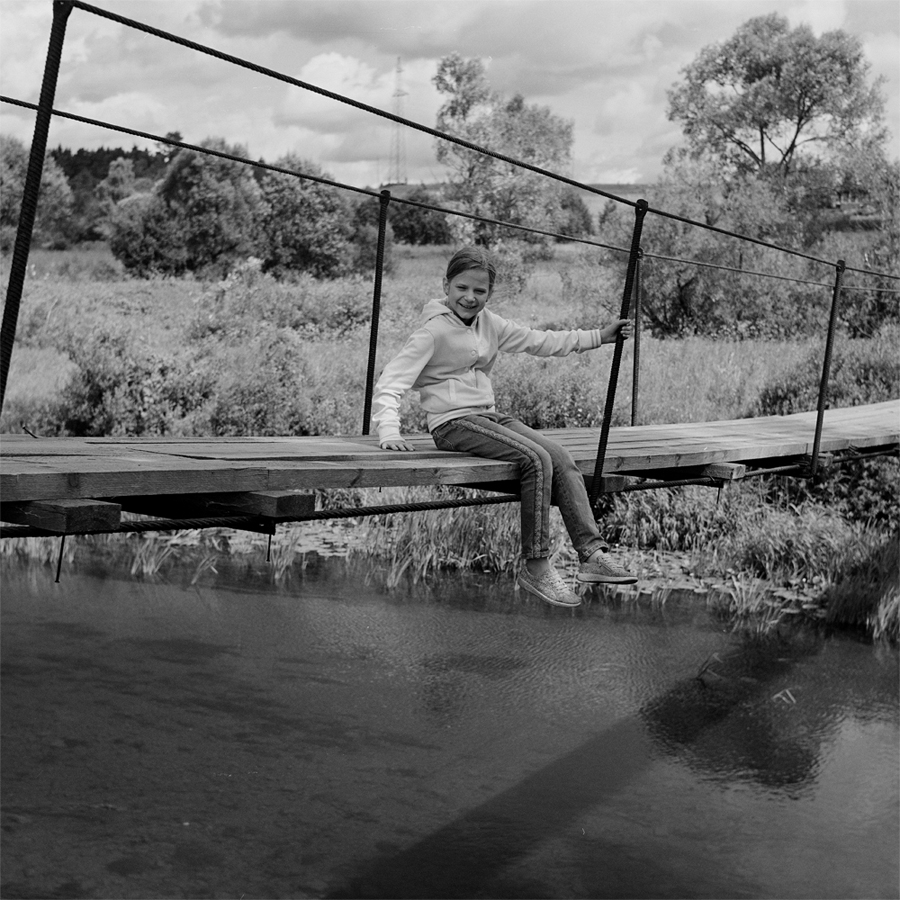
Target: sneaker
{"type": "Point", "coordinates": [600, 569]}
{"type": "Point", "coordinates": [549, 587]}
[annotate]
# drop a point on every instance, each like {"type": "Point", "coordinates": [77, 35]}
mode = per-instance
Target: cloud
{"type": "Point", "coordinates": [605, 65]}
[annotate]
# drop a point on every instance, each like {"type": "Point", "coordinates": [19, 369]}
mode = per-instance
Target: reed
{"type": "Point", "coordinates": [867, 593]}
{"type": "Point", "coordinates": [416, 545]}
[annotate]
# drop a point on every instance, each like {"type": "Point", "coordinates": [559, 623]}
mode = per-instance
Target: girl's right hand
{"type": "Point", "coordinates": [397, 445]}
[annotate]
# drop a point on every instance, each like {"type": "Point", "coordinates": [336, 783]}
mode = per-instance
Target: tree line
{"type": "Point", "coordinates": [780, 128]}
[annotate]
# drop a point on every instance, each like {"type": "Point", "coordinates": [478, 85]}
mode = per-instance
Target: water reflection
{"type": "Point", "coordinates": [735, 720]}
{"type": "Point", "coordinates": [328, 738]}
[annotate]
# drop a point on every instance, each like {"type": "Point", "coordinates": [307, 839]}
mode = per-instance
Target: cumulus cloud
{"type": "Point", "coordinates": [605, 65]}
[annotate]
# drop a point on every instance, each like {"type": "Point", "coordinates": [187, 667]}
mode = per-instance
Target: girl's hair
{"type": "Point", "coordinates": [472, 258]}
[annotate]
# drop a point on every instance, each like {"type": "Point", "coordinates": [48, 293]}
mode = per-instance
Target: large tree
{"type": "Point", "coordinates": [482, 184]}
{"type": "Point", "coordinates": [778, 125]}
{"type": "Point", "coordinates": [769, 96]}
{"type": "Point", "coordinates": [306, 227]}
{"type": "Point", "coordinates": [203, 216]}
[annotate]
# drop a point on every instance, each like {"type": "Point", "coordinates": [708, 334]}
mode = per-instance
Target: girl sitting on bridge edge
{"type": "Point", "coordinates": [448, 360]}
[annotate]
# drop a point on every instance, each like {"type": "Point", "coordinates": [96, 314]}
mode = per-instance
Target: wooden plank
{"type": "Point", "coordinates": [51, 479]}
{"type": "Point", "coordinates": [63, 516]}
{"type": "Point", "coordinates": [396, 471]}
{"type": "Point", "coordinates": [80, 468]}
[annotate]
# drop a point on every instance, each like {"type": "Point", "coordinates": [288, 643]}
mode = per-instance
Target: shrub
{"type": "Point", "coordinates": [238, 305]}
{"type": "Point", "coordinates": [546, 393]}
{"type": "Point", "coordinates": [862, 371]}
{"type": "Point", "coordinates": [120, 389]}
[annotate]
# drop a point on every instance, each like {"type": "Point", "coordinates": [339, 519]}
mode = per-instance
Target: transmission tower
{"type": "Point", "coordinates": [397, 174]}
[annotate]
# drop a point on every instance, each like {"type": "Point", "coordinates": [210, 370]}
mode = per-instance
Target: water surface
{"type": "Point", "coordinates": [328, 738]}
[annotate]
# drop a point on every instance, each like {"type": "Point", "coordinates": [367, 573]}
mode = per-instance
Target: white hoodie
{"type": "Point", "coordinates": [449, 363]}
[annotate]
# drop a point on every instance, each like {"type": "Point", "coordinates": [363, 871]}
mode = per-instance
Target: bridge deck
{"type": "Point", "coordinates": [73, 470]}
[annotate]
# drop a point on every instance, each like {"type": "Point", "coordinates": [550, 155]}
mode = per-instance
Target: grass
{"type": "Point", "coordinates": [248, 355]}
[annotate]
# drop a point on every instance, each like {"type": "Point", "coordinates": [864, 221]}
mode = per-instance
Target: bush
{"type": "Point", "coordinates": [547, 393]}
{"type": "Point", "coordinates": [235, 308]}
{"type": "Point", "coordinates": [417, 226]}
{"type": "Point", "coordinates": [120, 389]}
{"type": "Point", "coordinates": [862, 371]}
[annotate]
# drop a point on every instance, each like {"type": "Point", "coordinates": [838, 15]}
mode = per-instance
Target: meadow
{"type": "Point", "coordinates": [98, 353]}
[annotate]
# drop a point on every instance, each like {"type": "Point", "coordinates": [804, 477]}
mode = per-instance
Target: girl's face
{"type": "Point", "coordinates": [467, 293]}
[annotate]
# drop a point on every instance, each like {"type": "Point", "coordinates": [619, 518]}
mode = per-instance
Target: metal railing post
{"type": "Point", "coordinates": [385, 199]}
{"type": "Point", "coordinates": [636, 367]}
{"type": "Point", "coordinates": [19, 265]}
{"type": "Point", "coordinates": [840, 265]}
{"type": "Point", "coordinates": [639, 211]}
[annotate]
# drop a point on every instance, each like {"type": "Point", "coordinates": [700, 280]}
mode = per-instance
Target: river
{"type": "Point", "coordinates": [215, 734]}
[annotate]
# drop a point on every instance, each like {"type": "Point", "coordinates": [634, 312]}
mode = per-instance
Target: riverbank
{"type": "Point", "coordinates": [765, 572]}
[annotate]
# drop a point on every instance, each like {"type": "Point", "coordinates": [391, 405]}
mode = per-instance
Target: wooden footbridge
{"type": "Point", "coordinates": [82, 485]}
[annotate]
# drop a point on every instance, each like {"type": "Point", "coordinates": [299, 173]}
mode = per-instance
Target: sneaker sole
{"type": "Point", "coordinates": [533, 590]}
{"type": "Point", "coordinates": [606, 579]}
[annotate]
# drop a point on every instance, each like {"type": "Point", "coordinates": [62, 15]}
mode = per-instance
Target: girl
{"type": "Point", "coordinates": [448, 360]}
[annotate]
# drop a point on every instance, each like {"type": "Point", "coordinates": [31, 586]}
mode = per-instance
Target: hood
{"type": "Point", "coordinates": [434, 308]}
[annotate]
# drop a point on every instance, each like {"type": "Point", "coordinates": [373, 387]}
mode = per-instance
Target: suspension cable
{"type": "Point", "coordinates": [184, 145]}
{"type": "Point", "coordinates": [562, 236]}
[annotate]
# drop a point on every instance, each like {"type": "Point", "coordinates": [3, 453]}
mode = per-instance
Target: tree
{"type": "Point", "coordinates": [483, 185]}
{"type": "Point", "coordinates": [307, 225]}
{"type": "Point", "coordinates": [366, 221]}
{"type": "Point", "coordinates": [577, 222]}
{"type": "Point", "coordinates": [218, 202]}
{"type": "Point", "coordinates": [54, 200]}
{"type": "Point", "coordinates": [118, 185]}
{"type": "Point", "coordinates": [680, 297]}
{"type": "Point", "coordinates": [203, 217]}
{"type": "Point", "coordinates": [768, 95]}
{"type": "Point", "coordinates": [778, 124]}
{"type": "Point", "coordinates": [146, 238]}
{"type": "Point", "coordinates": [414, 225]}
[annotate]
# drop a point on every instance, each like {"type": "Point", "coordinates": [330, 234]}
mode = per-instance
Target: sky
{"type": "Point", "coordinates": [604, 65]}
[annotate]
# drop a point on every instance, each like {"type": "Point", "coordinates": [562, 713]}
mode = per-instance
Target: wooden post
{"type": "Point", "coordinates": [376, 308]}
{"type": "Point", "coordinates": [19, 264]}
{"type": "Point", "coordinates": [840, 265]}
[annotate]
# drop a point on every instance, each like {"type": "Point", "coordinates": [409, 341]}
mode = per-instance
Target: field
{"type": "Point", "coordinates": [97, 353]}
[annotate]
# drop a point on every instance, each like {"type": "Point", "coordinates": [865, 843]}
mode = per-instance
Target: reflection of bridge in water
{"type": "Point", "coordinates": [82, 485]}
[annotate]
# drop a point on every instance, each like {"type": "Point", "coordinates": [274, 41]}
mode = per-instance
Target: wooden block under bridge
{"type": "Point", "coordinates": [64, 516]}
{"type": "Point", "coordinates": [264, 504]}
{"type": "Point", "coordinates": [720, 472]}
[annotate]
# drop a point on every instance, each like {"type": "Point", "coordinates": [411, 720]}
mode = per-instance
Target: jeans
{"type": "Point", "coordinates": [547, 473]}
